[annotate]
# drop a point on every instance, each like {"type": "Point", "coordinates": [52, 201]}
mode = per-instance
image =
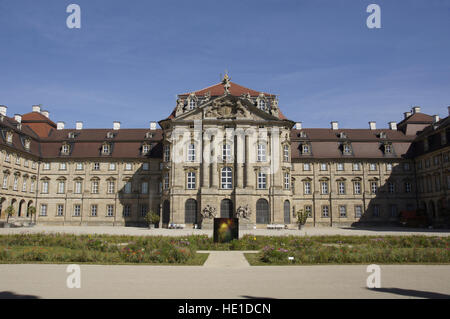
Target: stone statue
{"type": "Point", "coordinates": [243, 212]}
{"type": "Point", "coordinates": [180, 106]}
{"type": "Point", "coordinates": [209, 212]}
{"type": "Point", "coordinates": [226, 83]}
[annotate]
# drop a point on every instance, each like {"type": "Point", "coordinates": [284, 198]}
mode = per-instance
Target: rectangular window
{"type": "Point", "coordinates": [24, 185]}
{"type": "Point", "coordinates": [166, 153]}
{"type": "Point", "coordinates": [60, 210]}
{"type": "Point", "coordinates": [340, 166]}
{"type": "Point", "coordinates": [94, 209]}
{"type": "Point", "coordinates": [307, 188]}
{"type": "Point", "coordinates": [96, 167]}
{"type": "Point", "coordinates": [166, 181]}
{"type": "Point", "coordinates": [62, 166]}
{"type": "Point", "coordinates": [308, 210]}
{"type": "Point", "coordinates": [43, 211]}
{"type": "Point", "coordinates": [94, 189]}
{"type": "Point", "coordinates": [325, 211]}
{"type": "Point", "coordinates": [324, 187]}
{"type": "Point", "coordinates": [394, 211]}
{"type": "Point", "coordinates": [262, 180]}
{"type": "Point", "coordinates": [78, 187]}
{"type": "Point", "coordinates": [374, 187]}
{"type": "Point", "coordinates": [286, 153]}
{"type": "Point", "coordinates": [391, 187]}
{"type": "Point", "coordinates": [306, 167]}
{"type": "Point", "coordinates": [226, 178]}
{"type": "Point", "coordinates": [191, 152]}
{"type": "Point", "coordinates": [5, 181]}
{"type": "Point", "coordinates": [32, 186]}
{"type": "Point", "coordinates": [144, 210]}
{"type": "Point", "coordinates": [145, 166]}
{"type": "Point", "coordinates": [128, 166]}
{"type": "Point", "coordinates": [127, 187]}
{"type": "Point", "coordinates": [287, 180]}
{"type": "Point", "coordinates": [406, 167]}
{"type": "Point", "coordinates": [305, 149]}
{"type": "Point", "coordinates": [25, 163]}
{"type": "Point", "coordinates": [358, 211]}
{"type": "Point", "coordinates": [109, 210]}
{"type": "Point", "coordinates": [7, 158]}
{"type": "Point", "coordinates": [127, 210]}
{"type": "Point", "coordinates": [356, 166]}
{"type": "Point", "coordinates": [261, 152]}
{"type": "Point", "coordinates": [376, 211]}
{"type": "Point", "coordinates": [79, 167]}
{"type": "Point", "coordinates": [226, 152]}
{"type": "Point", "coordinates": [408, 186]}
{"type": "Point", "coordinates": [17, 160]}
{"type": "Point", "coordinates": [61, 187]}
{"type": "Point", "coordinates": [111, 187]}
{"type": "Point", "coordinates": [144, 188]}
{"type": "Point", "coordinates": [191, 180]}
{"type": "Point", "coordinates": [77, 210]}
{"type": "Point", "coordinates": [46, 166]}
{"type": "Point", "coordinates": [112, 166]}
{"type": "Point", "coordinates": [343, 211]}
{"type": "Point", "coordinates": [323, 167]}
{"type": "Point", "coordinates": [145, 149]}
{"type": "Point", "coordinates": [357, 187]}
{"type": "Point", "coordinates": [16, 182]}
{"type": "Point", "coordinates": [389, 167]}
{"type": "Point", "coordinates": [45, 187]}
{"type": "Point", "coordinates": [341, 187]}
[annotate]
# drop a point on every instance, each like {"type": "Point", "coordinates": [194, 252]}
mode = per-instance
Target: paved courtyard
{"type": "Point", "coordinates": [224, 281]}
{"type": "Point", "coordinates": [309, 231]}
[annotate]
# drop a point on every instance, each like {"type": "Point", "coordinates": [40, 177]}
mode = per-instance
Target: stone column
{"type": "Point", "coordinates": [214, 173]}
{"type": "Point", "coordinates": [240, 158]}
{"type": "Point", "coordinates": [206, 160]}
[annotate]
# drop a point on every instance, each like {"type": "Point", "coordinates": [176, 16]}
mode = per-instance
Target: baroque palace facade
{"type": "Point", "coordinates": [224, 151]}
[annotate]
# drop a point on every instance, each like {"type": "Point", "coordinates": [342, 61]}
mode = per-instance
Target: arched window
{"type": "Point", "coordinates": [262, 211]}
{"type": "Point", "coordinates": [287, 212]}
{"type": "Point", "coordinates": [226, 178]}
{"type": "Point", "coordinates": [226, 208]}
{"type": "Point", "coordinates": [190, 211]}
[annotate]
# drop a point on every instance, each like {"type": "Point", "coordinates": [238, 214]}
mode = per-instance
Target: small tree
{"type": "Point", "coordinates": [31, 211]}
{"type": "Point", "coordinates": [10, 211]}
{"type": "Point", "coordinates": [151, 218]}
{"type": "Point", "coordinates": [302, 216]}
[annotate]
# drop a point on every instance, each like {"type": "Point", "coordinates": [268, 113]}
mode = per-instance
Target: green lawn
{"type": "Point", "coordinates": [163, 250]}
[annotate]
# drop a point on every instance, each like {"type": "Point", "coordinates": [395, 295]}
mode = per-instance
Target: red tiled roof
{"type": "Point", "coordinates": [235, 89]}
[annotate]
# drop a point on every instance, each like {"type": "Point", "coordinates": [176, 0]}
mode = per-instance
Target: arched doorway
{"type": "Point", "coordinates": [28, 206]}
{"type": "Point", "coordinates": [2, 201]}
{"type": "Point", "coordinates": [287, 212]}
{"type": "Point", "coordinates": [190, 211]}
{"type": "Point", "coordinates": [166, 213]}
{"type": "Point", "coordinates": [19, 211]}
{"type": "Point", "coordinates": [226, 208]}
{"type": "Point", "coordinates": [262, 212]}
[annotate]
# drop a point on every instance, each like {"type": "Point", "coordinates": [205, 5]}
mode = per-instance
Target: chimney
{"type": "Point", "coordinates": [407, 114]}
{"type": "Point", "coordinates": [3, 109]}
{"type": "Point", "coordinates": [153, 125]}
{"type": "Point", "coordinates": [373, 125]}
{"type": "Point", "coordinates": [298, 125]}
{"type": "Point", "coordinates": [393, 126]}
{"type": "Point", "coordinates": [36, 108]}
{"type": "Point", "coordinates": [60, 125]}
{"type": "Point", "coordinates": [334, 125]}
{"type": "Point", "coordinates": [416, 109]}
{"type": "Point", "coordinates": [435, 118]}
{"type": "Point", "coordinates": [79, 125]}
{"type": "Point", "coordinates": [18, 118]}
{"type": "Point", "coordinates": [116, 125]}
{"type": "Point", "coordinates": [45, 113]}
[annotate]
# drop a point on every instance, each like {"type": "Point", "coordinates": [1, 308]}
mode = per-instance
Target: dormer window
{"type": "Point", "coordinates": [262, 105]}
{"type": "Point", "coordinates": [346, 149]}
{"type": "Point", "coordinates": [302, 134]}
{"type": "Point", "coordinates": [382, 135]}
{"type": "Point", "coordinates": [305, 149]}
{"type": "Point", "coordinates": [27, 144]}
{"type": "Point", "coordinates": [65, 149]}
{"type": "Point", "coordinates": [148, 135]}
{"type": "Point", "coordinates": [192, 104]}
{"type": "Point", "coordinates": [145, 149]}
{"type": "Point", "coordinates": [110, 135]}
{"type": "Point", "coordinates": [71, 135]}
{"type": "Point", "coordinates": [106, 149]}
{"type": "Point", "coordinates": [9, 137]}
{"type": "Point", "coordinates": [342, 135]}
{"type": "Point", "coordinates": [388, 148]}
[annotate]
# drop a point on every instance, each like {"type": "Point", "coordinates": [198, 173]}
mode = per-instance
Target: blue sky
{"type": "Point", "coordinates": [130, 58]}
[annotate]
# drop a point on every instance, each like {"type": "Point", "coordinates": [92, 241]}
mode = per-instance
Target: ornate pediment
{"type": "Point", "coordinates": [226, 108]}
